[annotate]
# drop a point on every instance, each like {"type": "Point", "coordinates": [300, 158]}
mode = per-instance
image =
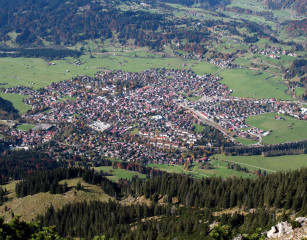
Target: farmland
{"type": "Point", "coordinates": [282, 130]}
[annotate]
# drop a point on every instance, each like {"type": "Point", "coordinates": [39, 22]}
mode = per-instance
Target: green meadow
{"type": "Point", "coordinates": [17, 102]}
{"type": "Point", "coordinates": [25, 127]}
{"type": "Point", "coordinates": [289, 129]}
{"type": "Point", "coordinates": [245, 141]}
{"type": "Point", "coordinates": [219, 169]}
{"type": "Point", "coordinates": [36, 73]}
{"type": "Point", "coordinates": [253, 84]}
{"type": "Point", "coordinates": [269, 164]}
{"type": "Point", "coordinates": [119, 173]}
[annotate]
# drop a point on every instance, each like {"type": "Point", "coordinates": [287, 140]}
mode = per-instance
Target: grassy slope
{"type": "Point", "coordinates": [281, 132]}
{"type": "Point", "coordinates": [280, 163]}
{"type": "Point", "coordinates": [31, 206]}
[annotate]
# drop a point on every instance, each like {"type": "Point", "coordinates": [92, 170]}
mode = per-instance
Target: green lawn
{"type": "Point", "coordinates": [67, 97]}
{"type": "Point", "coordinates": [198, 128]}
{"type": "Point", "coordinates": [119, 173]}
{"type": "Point", "coordinates": [248, 83]}
{"type": "Point", "coordinates": [290, 129]}
{"type": "Point", "coordinates": [194, 98]}
{"type": "Point", "coordinates": [135, 131]}
{"type": "Point", "coordinates": [270, 164]}
{"type": "Point", "coordinates": [25, 127]}
{"type": "Point", "coordinates": [17, 102]}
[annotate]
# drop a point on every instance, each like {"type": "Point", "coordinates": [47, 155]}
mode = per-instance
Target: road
{"type": "Point", "coordinates": [209, 122]}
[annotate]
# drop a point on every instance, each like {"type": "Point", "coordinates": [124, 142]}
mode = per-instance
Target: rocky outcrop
{"type": "Point", "coordinates": [280, 229]}
{"type": "Point", "coordinates": [285, 231]}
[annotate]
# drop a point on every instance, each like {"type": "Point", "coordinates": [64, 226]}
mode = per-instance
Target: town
{"type": "Point", "coordinates": [140, 117]}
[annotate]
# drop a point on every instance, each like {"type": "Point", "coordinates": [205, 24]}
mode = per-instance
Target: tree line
{"type": "Point", "coordinates": [48, 181]}
{"type": "Point", "coordinates": [287, 190]}
{"type": "Point", "coordinates": [114, 220]}
{"type": "Point", "coordinates": [45, 53]}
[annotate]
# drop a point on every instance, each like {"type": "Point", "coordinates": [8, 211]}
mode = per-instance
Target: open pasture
{"type": "Point", "coordinates": [268, 164]}
{"type": "Point", "coordinates": [17, 102]}
{"type": "Point", "coordinates": [219, 169]}
{"type": "Point", "coordinates": [36, 73]}
{"type": "Point", "coordinates": [253, 84]}
{"type": "Point", "coordinates": [282, 130]}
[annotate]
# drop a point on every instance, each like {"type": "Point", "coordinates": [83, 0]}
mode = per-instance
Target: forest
{"type": "Point", "coordinates": [280, 190]}
{"type": "Point", "coordinates": [16, 165]}
{"type": "Point", "coordinates": [191, 215]}
{"type": "Point", "coordinates": [45, 53]}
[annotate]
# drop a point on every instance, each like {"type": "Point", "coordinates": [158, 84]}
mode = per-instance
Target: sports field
{"type": "Point", "coordinates": [249, 83]}
{"type": "Point", "coordinates": [282, 130]}
{"type": "Point", "coordinates": [269, 164]}
{"type": "Point", "coordinates": [25, 127]}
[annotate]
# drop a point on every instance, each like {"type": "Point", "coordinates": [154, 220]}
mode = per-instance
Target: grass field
{"type": "Point", "coordinates": [17, 102]}
{"type": "Point", "coordinates": [245, 141]}
{"type": "Point", "coordinates": [299, 91]}
{"type": "Point", "coordinates": [290, 129]}
{"type": "Point", "coordinates": [25, 127]}
{"type": "Point", "coordinates": [270, 164]}
{"type": "Point", "coordinates": [135, 131]}
{"type": "Point", "coordinates": [247, 83]}
{"type": "Point", "coordinates": [35, 72]}
{"type": "Point", "coordinates": [119, 173]}
{"type": "Point", "coordinates": [198, 128]}
{"type": "Point", "coordinates": [220, 169]}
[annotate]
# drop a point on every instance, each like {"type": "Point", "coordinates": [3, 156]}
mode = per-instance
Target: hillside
{"type": "Point", "coordinates": [29, 207]}
{"type": "Point", "coordinates": [298, 5]}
